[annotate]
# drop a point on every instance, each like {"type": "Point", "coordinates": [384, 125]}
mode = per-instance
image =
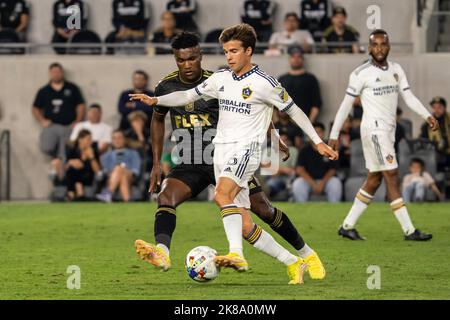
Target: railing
{"type": "Point", "coordinates": [421, 6]}
{"type": "Point", "coordinates": [153, 48]}
{"type": "Point", "coordinates": [5, 165]}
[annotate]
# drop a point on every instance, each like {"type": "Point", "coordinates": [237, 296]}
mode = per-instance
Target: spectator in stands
{"type": "Point", "coordinates": [58, 107]}
{"type": "Point", "coordinates": [286, 127]}
{"type": "Point", "coordinates": [281, 179]}
{"type": "Point", "coordinates": [130, 21]}
{"type": "Point", "coordinates": [100, 131]}
{"type": "Point", "coordinates": [314, 17]}
{"type": "Point", "coordinates": [138, 136]}
{"type": "Point", "coordinates": [259, 14]}
{"type": "Point", "coordinates": [441, 137]}
{"type": "Point", "coordinates": [340, 37]}
{"type": "Point", "coordinates": [316, 174]}
{"type": "Point", "coordinates": [122, 166]}
{"type": "Point", "coordinates": [14, 15]}
{"type": "Point", "coordinates": [166, 32]}
{"type": "Point", "coordinates": [61, 15]}
{"type": "Point", "coordinates": [140, 85]}
{"type": "Point", "coordinates": [82, 165]}
{"type": "Point", "coordinates": [183, 11]}
{"type": "Point", "coordinates": [301, 85]}
{"type": "Point", "coordinates": [291, 35]}
{"type": "Point", "coordinates": [416, 182]}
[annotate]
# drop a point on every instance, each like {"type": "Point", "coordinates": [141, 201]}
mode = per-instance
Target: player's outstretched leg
{"type": "Point", "coordinates": [360, 204]}
{"type": "Point", "coordinates": [281, 224]}
{"type": "Point", "coordinates": [264, 242]}
{"type": "Point", "coordinates": [172, 194]}
{"type": "Point", "coordinates": [398, 206]}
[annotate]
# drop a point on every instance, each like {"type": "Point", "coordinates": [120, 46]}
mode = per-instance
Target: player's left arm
{"type": "Point", "coordinates": [412, 102]}
{"type": "Point", "coordinates": [278, 97]}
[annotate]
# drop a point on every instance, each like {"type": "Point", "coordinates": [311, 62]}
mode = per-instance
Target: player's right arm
{"type": "Point", "coordinates": [353, 90]}
{"type": "Point", "coordinates": [206, 90]}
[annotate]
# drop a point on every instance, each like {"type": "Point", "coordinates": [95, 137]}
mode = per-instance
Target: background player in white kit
{"type": "Point", "coordinates": [246, 95]}
{"type": "Point", "coordinates": [378, 82]}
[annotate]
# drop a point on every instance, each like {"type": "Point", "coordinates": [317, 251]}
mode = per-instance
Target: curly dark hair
{"type": "Point", "coordinates": [185, 40]}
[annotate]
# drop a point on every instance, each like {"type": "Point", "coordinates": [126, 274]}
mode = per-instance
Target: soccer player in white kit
{"type": "Point", "coordinates": [378, 82]}
{"type": "Point", "coordinates": [246, 97]}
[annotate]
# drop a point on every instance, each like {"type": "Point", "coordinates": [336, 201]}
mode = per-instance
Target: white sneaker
{"type": "Point", "coordinates": [105, 196]}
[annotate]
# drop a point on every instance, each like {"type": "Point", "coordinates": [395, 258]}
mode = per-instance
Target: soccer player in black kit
{"type": "Point", "coordinates": [187, 180]}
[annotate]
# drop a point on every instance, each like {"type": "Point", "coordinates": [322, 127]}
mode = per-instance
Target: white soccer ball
{"type": "Point", "coordinates": [200, 265]}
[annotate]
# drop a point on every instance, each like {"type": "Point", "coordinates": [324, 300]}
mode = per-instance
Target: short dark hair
{"type": "Point", "coordinates": [242, 32]}
{"type": "Point", "coordinates": [55, 65]}
{"type": "Point", "coordinates": [185, 40]}
{"type": "Point", "coordinates": [419, 161]}
{"type": "Point", "coordinates": [95, 106]}
{"type": "Point", "coordinates": [319, 125]}
{"type": "Point", "coordinates": [83, 133]}
{"type": "Point", "coordinates": [142, 73]}
{"type": "Point", "coordinates": [378, 32]}
{"type": "Point", "coordinates": [291, 14]}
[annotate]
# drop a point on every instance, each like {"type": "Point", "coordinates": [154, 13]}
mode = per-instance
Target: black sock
{"type": "Point", "coordinates": [165, 222]}
{"type": "Point", "coordinates": [284, 227]}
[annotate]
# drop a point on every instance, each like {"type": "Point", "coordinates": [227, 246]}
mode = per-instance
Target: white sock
{"type": "Point", "coordinates": [362, 200]}
{"type": "Point", "coordinates": [306, 251]}
{"type": "Point", "coordinates": [164, 247]}
{"type": "Point", "coordinates": [232, 223]}
{"type": "Point", "coordinates": [401, 213]}
{"type": "Point", "coordinates": [267, 244]}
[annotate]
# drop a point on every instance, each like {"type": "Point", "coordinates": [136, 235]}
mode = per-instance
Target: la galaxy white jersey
{"type": "Point", "coordinates": [379, 89]}
{"type": "Point", "coordinates": [245, 103]}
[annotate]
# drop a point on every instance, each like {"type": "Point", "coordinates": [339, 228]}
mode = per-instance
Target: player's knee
{"type": "Point", "coordinates": [165, 199]}
{"type": "Point", "coordinates": [262, 209]}
{"type": "Point", "coordinates": [221, 196]}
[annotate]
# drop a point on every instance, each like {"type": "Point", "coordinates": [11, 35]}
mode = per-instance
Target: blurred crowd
{"type": "Point", "coordinates": [91, 160]}
{"type": "Point", "coordinates": [317, 26]}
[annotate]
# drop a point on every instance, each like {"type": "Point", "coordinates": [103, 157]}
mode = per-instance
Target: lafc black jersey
{"type": "Point", "coordinates": [199, 119]}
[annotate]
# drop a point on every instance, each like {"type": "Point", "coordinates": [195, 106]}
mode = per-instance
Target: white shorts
{"type": "Point", "coordinates": [237, 161]}
{"type": "Point", "coordinates": [378, 148]}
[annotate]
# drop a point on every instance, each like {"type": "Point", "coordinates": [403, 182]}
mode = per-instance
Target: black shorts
{"type": "Point", "coordinates": [199, 177]}
{"type": "Point", "coordinates": [196, 176]}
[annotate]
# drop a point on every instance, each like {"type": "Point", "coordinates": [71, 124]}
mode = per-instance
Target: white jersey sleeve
{"type": "Point", "coordinates": [355, 85]}
{"type": "Point", "coordinates": [278, 97]}
{"type": "Point", "coordinates": [209, 89]}
{"type": "Point", "coordinates": [410, 99]}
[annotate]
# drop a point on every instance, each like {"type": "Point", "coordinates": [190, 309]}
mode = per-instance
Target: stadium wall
{"type": "Point", "coordinates": [396, 16]}
{"type": "Point", "coordinates": [103, 78]}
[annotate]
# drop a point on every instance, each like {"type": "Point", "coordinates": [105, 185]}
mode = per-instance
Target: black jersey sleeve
{"type": "Point", "coordinates": [159, 91]}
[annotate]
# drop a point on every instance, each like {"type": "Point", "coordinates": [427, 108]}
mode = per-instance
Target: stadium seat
{"type": "Point", "coordinates": [10, 36]}
{"type": "Point", "coordinates": [357, 162]}
{"type": "Point", "coordinates": [407, 125]}
{"type": "Point", "coordinates": [82, 37]}
{"type": "Point", "coordinates": [353, 184]}
{"type": "Point", "coordinates": [212, 37]}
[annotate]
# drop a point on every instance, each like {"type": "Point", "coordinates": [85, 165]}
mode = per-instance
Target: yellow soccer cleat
{"type": "Point", "coordinates": [295, 271]}
{"type": "Point", "coordinates": [152, 254]}
{"type": "Point", "coordinates": [232, 260]}
{"type": "Point", "coordinates": [315, 267]}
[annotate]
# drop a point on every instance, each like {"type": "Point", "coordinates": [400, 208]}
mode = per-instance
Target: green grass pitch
{"type": "Point", "coordinates": [39, 241]}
